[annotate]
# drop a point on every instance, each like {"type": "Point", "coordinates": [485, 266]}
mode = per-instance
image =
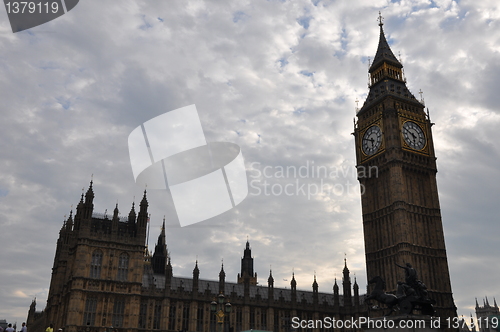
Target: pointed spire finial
{"type": "Point", "coordinates": [380, 19]}
{"type": "Point", "coordinates": [421, 93]}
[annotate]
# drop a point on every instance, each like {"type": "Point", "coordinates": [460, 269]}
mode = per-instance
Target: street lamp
{"type": "Point", "coordinates": [220, 310]}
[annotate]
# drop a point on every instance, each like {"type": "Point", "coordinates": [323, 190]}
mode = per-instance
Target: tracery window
{"type": "Point", "coordinates": [123, 267]}
{"type": "Point", "coordinates": [90, 310]}
{"type": "Point", "coordinates": [95, 264]}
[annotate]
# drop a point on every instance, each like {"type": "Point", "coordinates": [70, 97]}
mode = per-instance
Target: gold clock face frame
{"type": "Point", "coordinates": [371, 141]}
{"type": "Point", "coordinates": [413, 135]}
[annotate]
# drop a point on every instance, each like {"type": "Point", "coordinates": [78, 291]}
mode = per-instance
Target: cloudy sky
{"type": "Point", "coordinates": [278, 78]}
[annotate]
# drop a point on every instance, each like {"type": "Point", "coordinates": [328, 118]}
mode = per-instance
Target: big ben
{"type": "Point", "coordinates": [400, 203]}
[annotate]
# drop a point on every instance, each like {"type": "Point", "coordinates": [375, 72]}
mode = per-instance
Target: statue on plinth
{"type": "Point", "coordinates": [411, 294]}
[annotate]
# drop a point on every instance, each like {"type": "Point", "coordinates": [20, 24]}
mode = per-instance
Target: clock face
{"type": "Point", "coordinates": [372, 140]}
{"type": "Point", "coordinates": [413, 135]}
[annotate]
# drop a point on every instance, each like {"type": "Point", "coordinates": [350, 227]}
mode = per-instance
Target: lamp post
{"type": "Point", "coordinates": [219, 309]}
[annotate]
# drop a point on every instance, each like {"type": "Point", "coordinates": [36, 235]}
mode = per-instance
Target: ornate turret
{"type": "Point", "coordinates": [336, 297]}
{"type": "Point", "coordinates": [315, 290]}
{"type": "Point", "coordinates": [131, 215]}
{"type": "Point", "coordinates": [485, 313]}
{"type": "Point", "coordinates": [222, 279]}
{"type": "Point", "coordinates": [160, 255]}
{"type": "Point", "coordinates": [142, 218]}
{"type": "Point", "coordinates": [69, 222]}
{"type": "Point", "coordinates": [88, 205]}
{"type": "Point", "coordinates": [270, 286]}
{"type": "Point", "coordinates": [356, 293]}
{"type": "Point", "coordinates": [346, 284]}
{"type": "Point", "coordinates": [116, 212]}
{"type": "Point", "coordinates": [79, 213]}
{"type": "Point", "coordinates": [247, 267]}
{"type": "Point", "coordinates": [115, 220]}
{"type": "Point", "coordinates": [89, 195]}
{"type": "Point", "coordinates": [196, 278]}
{"type": "Point", "coordinates": [293, 286]}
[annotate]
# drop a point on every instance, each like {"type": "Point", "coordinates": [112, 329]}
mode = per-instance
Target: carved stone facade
{"type": "Point", "coordinates": [397, 170]}
{"type": "Point", "coordinates": [103, 277]}
{"type": "Point", "coordinates": [487, 317]}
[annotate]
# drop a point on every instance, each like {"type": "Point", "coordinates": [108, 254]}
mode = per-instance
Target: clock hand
{"type": "Point", "coordinates": [414, 137]}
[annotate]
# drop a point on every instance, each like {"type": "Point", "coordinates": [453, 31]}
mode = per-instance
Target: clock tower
{"type": "Point", "coordinates": [397, 171]}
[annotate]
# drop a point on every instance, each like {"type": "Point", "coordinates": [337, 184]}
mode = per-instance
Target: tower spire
{"type": "Point", "coordinates": [384, 52]}
{"type": "Point", "coordinates": [160, 255]}
{"type": "Point", "coordinates": [132, 215]}
{"type": "Point", "coordinates": [89, 196]}
{"type": "Point", "coordinates": [247, 266]}
{"type": "Point", "coordinates": [222, 279]}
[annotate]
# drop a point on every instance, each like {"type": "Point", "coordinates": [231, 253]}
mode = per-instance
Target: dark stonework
{"type": "Point", "coordinates": [400, 203]}
{"type": "Point", "coordinates": [410, 295]}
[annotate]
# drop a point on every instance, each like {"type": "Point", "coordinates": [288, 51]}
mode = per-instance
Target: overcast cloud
{"type": "Point", "coordinates": [278, 78]}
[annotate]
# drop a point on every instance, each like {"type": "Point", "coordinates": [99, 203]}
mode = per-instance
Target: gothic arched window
{"type": "Point", "coordinates": [122, 267]}
{"type": "Point", "coordinates": [95, 264]}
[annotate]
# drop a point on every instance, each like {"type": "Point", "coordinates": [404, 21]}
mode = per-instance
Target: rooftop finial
{"type": "Point", "coordinates": [380, 19]}
{"type": "Point", "coordinates": [421, 93]}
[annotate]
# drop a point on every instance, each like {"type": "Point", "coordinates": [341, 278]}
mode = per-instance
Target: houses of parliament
{"type": "Point", "coordinates": [103, 276]}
